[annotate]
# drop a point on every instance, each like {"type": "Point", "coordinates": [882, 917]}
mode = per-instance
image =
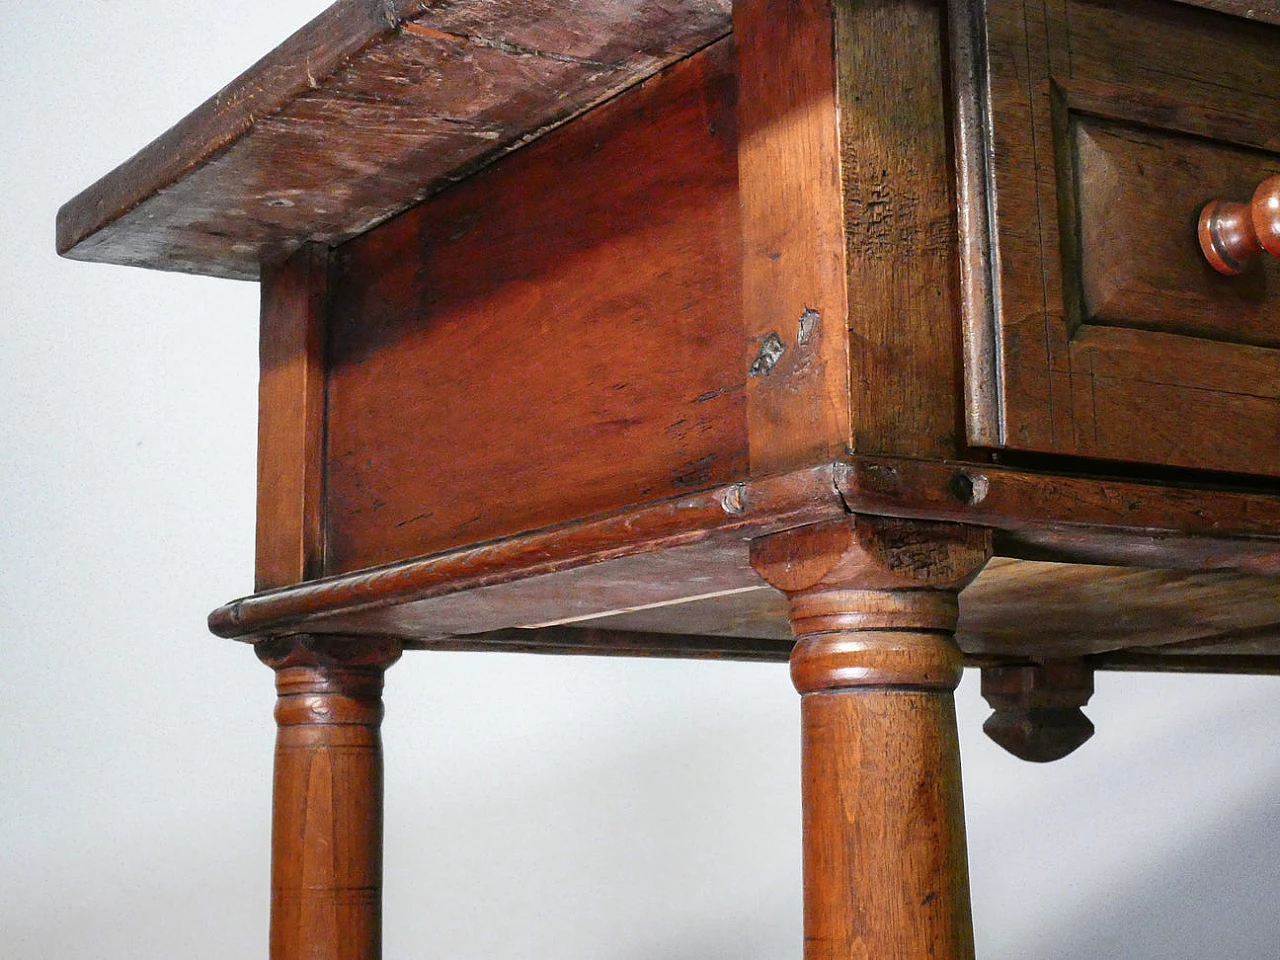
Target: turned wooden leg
{"type": "Point", "coordinates": [326, 829]}
{"type": "Point", "coordinates": [873, 608]}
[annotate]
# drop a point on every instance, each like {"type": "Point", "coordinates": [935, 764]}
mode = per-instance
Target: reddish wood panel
{"type": "Point", "coordinates": [291, 414]}
{"type": "Point", "coordinates": [553, 338]}
{"type": "Point", "coordinates": [366, 110]}
{"type": "Point", "coordinates": [739, 510]}
{"type": "Point", "coordinates": [637, 581]}
{"type": "Point", "coordinates": [668, 579]}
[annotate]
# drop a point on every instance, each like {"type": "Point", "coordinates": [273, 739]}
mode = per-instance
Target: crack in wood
{"type": "Point", "coordinates": [503, 46]}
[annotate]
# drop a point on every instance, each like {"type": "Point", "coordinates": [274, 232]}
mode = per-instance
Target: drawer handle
{"type": "Point", "coordinates": [1232, 234]}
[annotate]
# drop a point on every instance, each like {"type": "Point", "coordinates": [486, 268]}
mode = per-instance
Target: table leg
{"type": "Point", "coordinates": [873, 605]}
{"type": "Point", "coordinates": [326, 831]}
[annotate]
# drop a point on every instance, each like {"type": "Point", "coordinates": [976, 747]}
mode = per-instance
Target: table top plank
{"type": "Point", "coordinates": [363, 112]}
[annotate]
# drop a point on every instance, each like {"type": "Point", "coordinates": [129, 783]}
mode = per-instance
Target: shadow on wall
{"type": "Point", "coordinates": [669, 832]}
{"type": "Point", "coordinates": [1158, 840]}
{"type": "Point", "coordinates": [1216, 900]}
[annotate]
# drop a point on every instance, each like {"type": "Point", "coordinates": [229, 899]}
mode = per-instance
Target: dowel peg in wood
{"type": "Point", "coordinates": [1037, 708]}
{"type": "Point", "coordinates": [1233, 234]}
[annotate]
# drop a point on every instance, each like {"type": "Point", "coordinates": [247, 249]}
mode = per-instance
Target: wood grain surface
{"type": "Point", "coordinates": [326, 830]}
{"type": "Point", "coordinates": [873, 606]}
{"type": "Point", "coordinates": [849, 234]}
{"type": "Point", "coordinates": [556, 337]}
{"type": "Point", "coordinates": [680, 567]}
{"type": "Point", "coordinates": [1122, 521]}
{"type": "Point", "coordinates": [900, 221]}
{"type": "Point", "coordinates": [1265, 11]}
{"type": "Point", "coordinates": [741, 509]}
{"type": "Point", "coordinates": [291, 419]}
{"type": "Point", "coordinates": [1015, 611]}
{"type": "Point", "coordinates": [366, 110]}
{"type": "Point", "coordinates": [794, 303]}
{"type": "Point", "coordinates": [1137, 269]}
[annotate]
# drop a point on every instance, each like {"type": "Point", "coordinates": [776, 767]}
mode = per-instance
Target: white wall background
{"type": "Point", "coordinates": [537, 807]}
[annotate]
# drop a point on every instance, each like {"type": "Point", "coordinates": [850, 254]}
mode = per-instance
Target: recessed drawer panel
{"type": "Point", "coordinates": [1137, 189]}
{"type": "Point", "coordinates": [1096, 327]}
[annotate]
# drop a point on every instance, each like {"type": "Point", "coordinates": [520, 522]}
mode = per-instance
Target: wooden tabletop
{"type": "Point", "coordinates": [367, 109]}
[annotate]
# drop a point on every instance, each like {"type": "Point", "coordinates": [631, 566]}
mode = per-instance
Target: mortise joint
{"type": "Point", "coordinates": [969, 488]}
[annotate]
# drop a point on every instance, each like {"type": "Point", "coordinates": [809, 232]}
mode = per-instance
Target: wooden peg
{"type": "Point", "coordinates": [1037, 708]}
{"type": "Point", "coordinates": [873, 605]}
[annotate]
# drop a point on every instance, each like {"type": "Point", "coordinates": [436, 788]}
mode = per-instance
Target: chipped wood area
{"type": "Point", "coordinates": [365, 111]}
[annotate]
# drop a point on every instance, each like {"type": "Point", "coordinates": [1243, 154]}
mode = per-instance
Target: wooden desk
{"type": "Point", "coordinates": [845, 304]}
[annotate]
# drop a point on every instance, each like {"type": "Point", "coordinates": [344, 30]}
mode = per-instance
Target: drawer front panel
{"type": "Point", "coordinates": [1106, 128]}
{"type": "Point", "coordinates": [1135, 192]}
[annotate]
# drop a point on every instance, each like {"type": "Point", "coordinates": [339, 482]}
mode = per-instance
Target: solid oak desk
{"type": "Point", "coordinates": [666, 328]}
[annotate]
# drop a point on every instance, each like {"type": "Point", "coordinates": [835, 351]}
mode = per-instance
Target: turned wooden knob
{"type": "Point", "coordinates": [1232, 234]}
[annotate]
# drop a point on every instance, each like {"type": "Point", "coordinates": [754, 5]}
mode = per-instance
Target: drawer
{"type": "Point", "coordinates": [1094, 325]}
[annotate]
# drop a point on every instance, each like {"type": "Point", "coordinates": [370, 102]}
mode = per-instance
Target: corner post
{"type": "Point", "coordinates": [873, 605]}
{"type": "Point", "coordinates": [326, 829]}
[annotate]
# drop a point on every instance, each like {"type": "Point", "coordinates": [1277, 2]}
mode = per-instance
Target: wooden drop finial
{"type": "Point", "coordinates": [1037, 708]}
{"type": "Point", "coordinates": [1233, 234]}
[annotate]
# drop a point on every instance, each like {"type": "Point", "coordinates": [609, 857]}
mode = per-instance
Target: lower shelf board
{"type": "Point", "coordinates": [1179, 579]}
{"type": "Point", "coordinates": [1119, 617]}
